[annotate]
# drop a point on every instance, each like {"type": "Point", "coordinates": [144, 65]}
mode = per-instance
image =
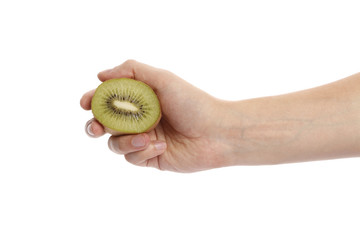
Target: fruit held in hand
{"type": "Point", "coordinates": [126, 106]}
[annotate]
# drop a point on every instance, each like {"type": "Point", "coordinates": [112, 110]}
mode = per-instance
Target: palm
{"type": "Point", "coordinates": [184, 129]}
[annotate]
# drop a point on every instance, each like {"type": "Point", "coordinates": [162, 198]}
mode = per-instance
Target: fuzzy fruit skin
{"type": "Point", "coordinates": [116, 133]}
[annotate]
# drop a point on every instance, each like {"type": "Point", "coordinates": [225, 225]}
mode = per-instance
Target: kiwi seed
{"type": "Point", "coordinates": [125, 106]}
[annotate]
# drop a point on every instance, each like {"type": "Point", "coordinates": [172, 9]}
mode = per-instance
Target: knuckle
{"type": "Point", "coordinates": [114, 145]}
{"type": "Point", "coordinates": [130, 62]}
{"type": "Point", "coordinates": [129, 158]}
{"type": "Point", "coordinates": [121, 148]}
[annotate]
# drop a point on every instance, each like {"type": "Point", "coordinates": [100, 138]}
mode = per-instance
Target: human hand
{"type": "Point", "coordinates": [187, 137]}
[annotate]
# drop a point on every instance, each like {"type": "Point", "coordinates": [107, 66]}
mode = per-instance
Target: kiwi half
{"type": "Point", "coordinates": [126, 106]}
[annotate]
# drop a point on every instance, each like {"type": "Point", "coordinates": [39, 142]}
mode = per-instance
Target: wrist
{"type": "Point", "coordinates": [254, 135]}
{"type": "Point", "coordinates": [228, 133]}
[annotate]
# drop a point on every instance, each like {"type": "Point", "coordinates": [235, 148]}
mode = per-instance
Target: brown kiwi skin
{"type": "Point", "coordinates": [116, 133]}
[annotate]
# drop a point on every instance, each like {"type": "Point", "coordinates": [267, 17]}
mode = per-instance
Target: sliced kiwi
{"type": "Point", "coordinates": [125, 106]}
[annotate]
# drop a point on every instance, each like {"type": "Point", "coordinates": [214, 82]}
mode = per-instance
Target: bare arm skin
{"type": "Point", "coordinates": [314, 124]}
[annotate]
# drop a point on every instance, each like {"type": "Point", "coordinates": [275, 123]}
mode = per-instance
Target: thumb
{"type": "Point", "coordinates": [135, 70]}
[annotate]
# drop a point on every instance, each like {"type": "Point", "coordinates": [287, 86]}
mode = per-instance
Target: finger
{"type": "Point", "coordinates": [94, 129]}
{"type": "Point", "coordinates": [121, 71]}
{"type": "Point", "coordinates": [129, 143]}
{"type": "Point", "coordinates": [153, 162]}
{"type": "Point", "coordinates": [135, 70]}
{"type": "Point", "coordinates": [139, 158]}
{"type": "Point", "coordinates": [85, 101]}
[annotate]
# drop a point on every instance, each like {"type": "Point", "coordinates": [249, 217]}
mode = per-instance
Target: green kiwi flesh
{"type": "Point", "coordinates": [126, 106]}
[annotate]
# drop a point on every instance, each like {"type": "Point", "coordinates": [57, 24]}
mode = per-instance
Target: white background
{"type": "Point", "coordinates": [56, 183]}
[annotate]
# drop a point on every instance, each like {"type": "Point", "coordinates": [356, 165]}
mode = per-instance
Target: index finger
{"type": "Point", "coordinates": [124, 70]}
{"type": "Point", "coordinates": [154, 77]}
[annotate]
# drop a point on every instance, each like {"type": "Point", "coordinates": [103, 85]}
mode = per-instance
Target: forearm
{"type": "Point", "coordinates": [314, 124]}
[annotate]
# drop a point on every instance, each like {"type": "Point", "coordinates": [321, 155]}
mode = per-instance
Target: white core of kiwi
{"type": "Point", "coordinates": [125, 105]}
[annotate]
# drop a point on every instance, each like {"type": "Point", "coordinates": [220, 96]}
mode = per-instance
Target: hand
{"type": "Point", "coordinates": [185, 139]}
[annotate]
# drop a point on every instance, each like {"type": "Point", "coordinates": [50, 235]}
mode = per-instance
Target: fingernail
{"type": "Point", "coordinates": [88, 129]}
{"type": "Point", "coordinates": [160, 145]}
{"type": "Point", "coordinates": [138, 141]}
{"type": "Point", "coordinates": [111, 145]}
